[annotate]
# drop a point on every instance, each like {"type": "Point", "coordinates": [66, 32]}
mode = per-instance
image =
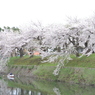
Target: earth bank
{"type": "Point", "coordinates": [79, 70]}
{"type": "Point", "coordinates": [67, 74]}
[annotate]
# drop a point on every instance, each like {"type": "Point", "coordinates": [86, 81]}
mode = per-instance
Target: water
{"type": "Point", "coordinates": [29, 86]}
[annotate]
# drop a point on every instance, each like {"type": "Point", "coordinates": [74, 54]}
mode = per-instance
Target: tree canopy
{"type": "Point", "coordinates": [69, 39]}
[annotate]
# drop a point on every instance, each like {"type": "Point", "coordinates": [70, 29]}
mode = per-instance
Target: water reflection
{"type": "Point", "coordinates": [56, 90]}
{"type": "Point", "coordinates": [29, 86]}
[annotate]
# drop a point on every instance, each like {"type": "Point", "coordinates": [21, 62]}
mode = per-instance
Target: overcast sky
{"type": "Point", "coordinates": [19, 12]}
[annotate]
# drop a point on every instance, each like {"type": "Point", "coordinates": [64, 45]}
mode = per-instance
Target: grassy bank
{"type": "Point", "coordinates": [78, 70]}
{"type": "Point", "coordinates": [36, 60]}
{"type": "Point", "coordinates": [26, 60]}
{"type": "Point", "coordinates": [83, 61]}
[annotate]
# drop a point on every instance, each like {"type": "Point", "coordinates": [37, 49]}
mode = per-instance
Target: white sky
{"type": "Point", "coordinates": [19, 12]}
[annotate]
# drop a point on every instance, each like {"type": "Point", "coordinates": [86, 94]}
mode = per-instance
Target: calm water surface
{"type": "Point", "coordinates": [29, 86]}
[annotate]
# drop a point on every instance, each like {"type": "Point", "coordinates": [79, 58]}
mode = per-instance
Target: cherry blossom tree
{"type": "Point", "coordinates": [70, 39]}
{"type": "Point", "coordinates": [77, 34]}
{"type": "Point", "coordinates": [10, 41]}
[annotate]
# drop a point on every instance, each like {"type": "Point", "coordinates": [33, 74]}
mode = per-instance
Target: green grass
{"type": "Point", "coordinates": [68, 73]}
{"type": "Point", "coordinates": [26, 60]}
{"type": "Point", "coordinates": [45, 72]}
{"type": "Point", "coordinates": [36, 60]}
{"type": "Point", "coordinates": [82, 62]}
{"type": "Point", "coordinates": [29, 61]}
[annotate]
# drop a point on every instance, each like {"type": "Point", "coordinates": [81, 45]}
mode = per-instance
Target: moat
{"type": "Point", "coordinates": [30, 86]}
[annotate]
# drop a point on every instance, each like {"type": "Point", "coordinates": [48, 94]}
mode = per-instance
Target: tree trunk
{"type": "Point", "coordinates": [21, 52]}
{"type": "Point", "coordinates": [22, 92]}
{"type": "Point", "coordinates": [77, 52]}
{"type": "Point", "coordinates": [59, 49]}
{"type": "Point", "coordinates": [13, 54]}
